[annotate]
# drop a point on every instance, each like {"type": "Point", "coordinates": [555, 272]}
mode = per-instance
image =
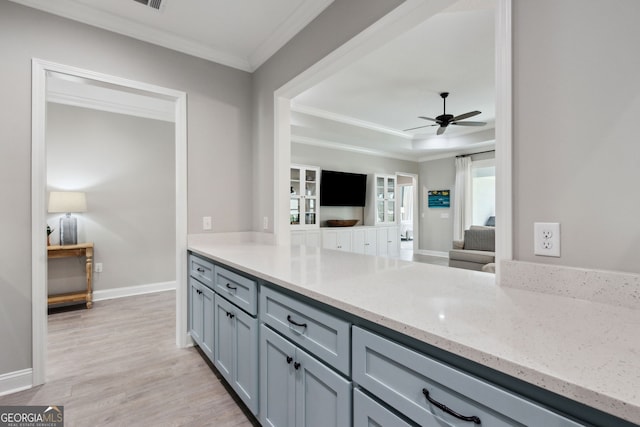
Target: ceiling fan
{"type": "Point", "coordinates": [445, 119]}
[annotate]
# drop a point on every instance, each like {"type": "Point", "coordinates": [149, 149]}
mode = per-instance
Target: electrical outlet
{"type": "Point", "coordinates": [98, 267]}
{"type": "Point", "coordinates": [265, 223]}
{"type": "Point", "coordinates": [546, 239]}
{"type": "Point", "coordinates": [206, 223]}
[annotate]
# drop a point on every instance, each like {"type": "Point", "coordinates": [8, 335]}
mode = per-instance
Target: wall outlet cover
{"type": "Point", "coordinates": [546, 239]}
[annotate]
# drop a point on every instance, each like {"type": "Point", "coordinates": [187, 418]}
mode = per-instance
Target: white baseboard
{"type": "Point", "coordinates": [133, 290]}
{"type": "Point", "coordinates": [432, 253]}
{"type": "Point", "coordinates": [13, 382]}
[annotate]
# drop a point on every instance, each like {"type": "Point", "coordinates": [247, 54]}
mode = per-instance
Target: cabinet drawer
{"type": "Point", "coordinates": [399, 376]}
{"type": "Point", "coordinates": [322, 334]}
{"type": "Point", "coordinates": [240, 290]}
{"type": "Point", "coordinates": [201, 269]}
{"type": "Point", "coordinates": [369, 413]}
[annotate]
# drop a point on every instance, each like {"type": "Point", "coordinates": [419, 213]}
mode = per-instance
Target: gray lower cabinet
{"type": "Point", "coordinates": [236, 350]}
{"type": "Point", "coordinates": [201, 322]}
{"type": "Point", "coordinates": [369, 413]}
{"type": "Point", "coordinates": [298, 390]}
{"type": "Point", "coordinates": [431, 393]}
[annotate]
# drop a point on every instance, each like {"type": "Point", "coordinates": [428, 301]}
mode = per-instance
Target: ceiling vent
{"type": "Point", "coordinates": [154, 4]}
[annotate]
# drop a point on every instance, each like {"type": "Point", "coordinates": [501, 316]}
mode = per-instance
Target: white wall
{"type": "Point", "coordinates": [219, 145]}
{"type": "Point", "coordinates": [126, 165]}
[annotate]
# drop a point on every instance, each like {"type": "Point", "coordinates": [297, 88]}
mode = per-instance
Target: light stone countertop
{"type": "Point", "coordinates": [587, 351]}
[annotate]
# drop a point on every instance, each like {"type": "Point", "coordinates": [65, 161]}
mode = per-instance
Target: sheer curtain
{"type": "Point", "coordinates": [462, 201]}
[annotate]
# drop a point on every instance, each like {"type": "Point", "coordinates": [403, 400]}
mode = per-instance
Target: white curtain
{"type": "Point", "coordinates": [407, 203]}
{"type": "Point", "coordinates": [462, 198]}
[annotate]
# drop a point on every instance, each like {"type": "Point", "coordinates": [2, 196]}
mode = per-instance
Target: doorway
{"type": "Point", "coordinates": [408, 215]}
{"type": "Point", "coordinates": [401, 19]}
{"type": "Point", "coordinates": [43, 72]}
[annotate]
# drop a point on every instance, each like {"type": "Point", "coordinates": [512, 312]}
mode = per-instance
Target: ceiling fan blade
{"type": "Point", "coordinates": [427, 118]}
{"type": "Point", "coordinates": [441, 130]}
{"type": "Point", "coordinates": [469, 123]}
{"type": "Point", "coordinates": [419, 127]}
{"type": "Point", "coordinates": [465, 115]}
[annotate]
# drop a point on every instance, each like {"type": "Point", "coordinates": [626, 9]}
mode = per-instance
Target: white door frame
{"type": "Point", "coordinates": [40, 68]}
{"type": "Point", "coordinates": [398, 21]}
{"type": "Point", "coordinates": [416, 208]}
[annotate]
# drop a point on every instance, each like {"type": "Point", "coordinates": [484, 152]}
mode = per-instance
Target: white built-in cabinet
{"type": "Point", "coordinates": [381, 240]}
{"type": "Point", "coordinates": [337, 239]}
{"type": "Point", "coordinates": [312, 238]}
{"type": "Point", "coordinates": [381, 203]}
{"type": "Point", "coordinates": [304, 201]}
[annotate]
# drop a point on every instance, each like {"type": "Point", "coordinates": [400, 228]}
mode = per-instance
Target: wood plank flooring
{"type": "Point", "coordinates": [117, 365]}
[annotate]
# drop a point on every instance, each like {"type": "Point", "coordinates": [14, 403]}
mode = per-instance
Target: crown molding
{"type": "Point", "coordinates": [299, 19]}
{"type": "Point", "coordinates": [350, 148]}
{"type": "Point", "coordinates": [77, 11]}
{"type": "Point", "coordinates": [316, 112]}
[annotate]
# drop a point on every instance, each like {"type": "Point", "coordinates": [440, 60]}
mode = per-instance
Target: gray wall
{"type": "Point", "coordinates": [435, 231]}
{"type": "Point", "coordinates": [126, 165]}
{"type": "Point", "coordinates": [436, 224]}
{"type": "Point", "coordinates": [219, 147]}
{"type": "Point", "coordinates": [576, 150]}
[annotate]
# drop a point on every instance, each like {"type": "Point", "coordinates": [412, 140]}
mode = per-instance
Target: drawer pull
{"type": "Point", "coordinates": [230, 315]}
{"type": "Point", "coordinates": [473, 419]}
{"type": "Point", "coordinates": [290, 320]}
{"type": "Point", "coordinates": [233, 288]}
{"type": "Point", "coordinates": [289, 360]}
{"type": "Point", "coordinates": [296, 365]}
{"type": "Point", "coordinates": [201, 270]}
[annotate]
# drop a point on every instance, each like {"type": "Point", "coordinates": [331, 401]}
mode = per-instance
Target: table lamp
{"type": "Point", "coordinates": [68, 202]}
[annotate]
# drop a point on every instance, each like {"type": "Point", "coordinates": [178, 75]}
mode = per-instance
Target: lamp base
{"type": "Point", "coordinates": [68, 230]}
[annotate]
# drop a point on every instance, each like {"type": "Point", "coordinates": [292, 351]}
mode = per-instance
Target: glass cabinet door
{"type": "Point", "coordinates": [304, 189]}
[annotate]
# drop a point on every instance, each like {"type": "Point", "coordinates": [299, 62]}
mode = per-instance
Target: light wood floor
{"type": "Point", "coordinates": [117, 365]}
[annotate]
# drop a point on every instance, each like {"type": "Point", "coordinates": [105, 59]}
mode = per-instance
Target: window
{"type": "Point", "coordinates": [483, 190]}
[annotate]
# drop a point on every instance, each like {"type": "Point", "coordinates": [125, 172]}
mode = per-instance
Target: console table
{"type": "Point", "coordinates": [82, 249]}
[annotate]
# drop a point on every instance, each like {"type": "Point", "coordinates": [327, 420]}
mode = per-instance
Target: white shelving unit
{"type": "Point", "coordinates": [304, 204]}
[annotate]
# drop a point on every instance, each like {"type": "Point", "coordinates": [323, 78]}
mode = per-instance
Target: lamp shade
{"type": "Point", "coordinates": [67, 201]}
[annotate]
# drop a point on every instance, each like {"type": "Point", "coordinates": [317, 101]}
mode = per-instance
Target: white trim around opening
{"type": "Point", "coordinates": [40, 70]}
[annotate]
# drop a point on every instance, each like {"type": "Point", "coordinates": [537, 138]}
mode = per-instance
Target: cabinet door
{"type": "Point", "coordinates": [277, 381]}
{"type": "Point", "coordinates": [223, 353]}
{"type": "Point", "coordinates": [236, 350]}
{"type": "Point", "coordinates": [382, 241]}
{"type": "Point", "coordinates": [207, 322]}
{"type": "Point", "coordinates": [393, 241]}
{"type": "Point", "coordinates": [370, 242]}
{"type": "Point", "coordinates": [358, 241]}
{"type": "Point", "coordinates": [369, 413]}
{"type": "Point", "coordinates": [323, 398]}
{"type": "Point", "coordinates": [339, 240]}
{"type": "Point", "coordinates": [304, 191]}
{"type": "Point", "coordinates": [245, 358]}
{"type": "Point", "coordinates": [196, 319]}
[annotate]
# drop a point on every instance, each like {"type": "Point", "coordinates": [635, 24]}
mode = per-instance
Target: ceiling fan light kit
{"type": "Point", "coordinates": [444, 119]}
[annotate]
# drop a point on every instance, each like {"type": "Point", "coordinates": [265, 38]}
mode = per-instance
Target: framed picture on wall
{"type": "Point", "coordinates": [438, 199]}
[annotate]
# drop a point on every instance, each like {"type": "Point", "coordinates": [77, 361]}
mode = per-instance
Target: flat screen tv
{"type": "Point", "coordinates": [342, 188]}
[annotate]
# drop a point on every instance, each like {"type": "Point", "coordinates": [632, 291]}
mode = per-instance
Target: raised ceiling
{"type": "Point", "coordinates": [367, 106]}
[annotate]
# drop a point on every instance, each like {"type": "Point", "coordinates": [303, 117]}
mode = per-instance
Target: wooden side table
{"type": "Point", "coordinates": [82, 249]}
